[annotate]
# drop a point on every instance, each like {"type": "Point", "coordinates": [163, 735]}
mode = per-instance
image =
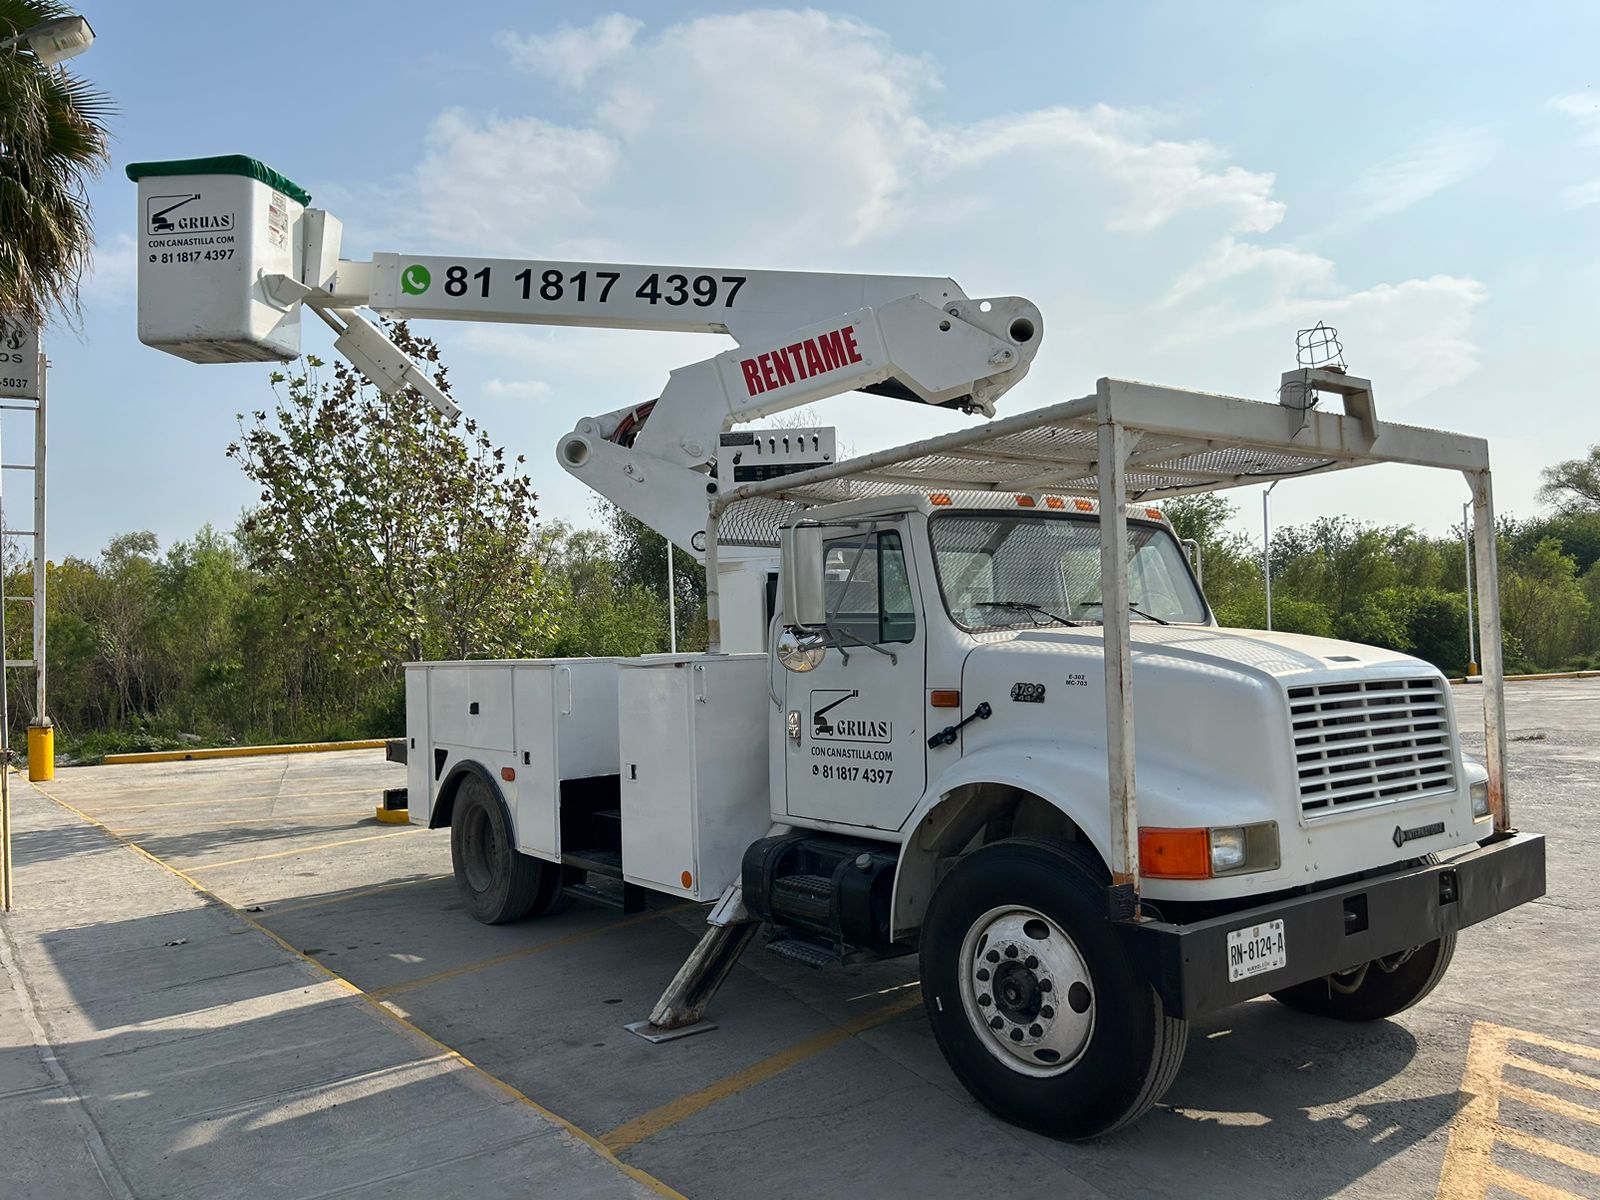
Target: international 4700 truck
{"type": "Point", "coordinates": [964, 698]}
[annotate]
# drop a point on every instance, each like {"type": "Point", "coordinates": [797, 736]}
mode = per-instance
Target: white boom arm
{"type": "Point", "coordinates": [230, 256]}
{"type": "Point", "coordinates": [801, 337]}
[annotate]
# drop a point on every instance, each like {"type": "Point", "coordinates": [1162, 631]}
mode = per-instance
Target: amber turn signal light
{"type": "Point", "coordinates": [1175, 853]}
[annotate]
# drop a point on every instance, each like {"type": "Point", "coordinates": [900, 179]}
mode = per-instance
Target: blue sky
{"type": "Point", "coordinates": [1178, 186]}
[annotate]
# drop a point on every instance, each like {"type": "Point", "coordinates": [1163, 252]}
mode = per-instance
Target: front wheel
{"type": "Point", "coordinates": [498, 883]}
{"type": "Point", "coordinates": [1032, 999]}
{"type": "Point", "coordinates": [1374, 990]}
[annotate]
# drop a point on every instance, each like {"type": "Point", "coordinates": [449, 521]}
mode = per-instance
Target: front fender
{"type": "Point", "coordinates": [1072, 777]}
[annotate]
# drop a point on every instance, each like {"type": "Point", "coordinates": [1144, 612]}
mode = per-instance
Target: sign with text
{"type": "Point", "coordinates": [19, 359]}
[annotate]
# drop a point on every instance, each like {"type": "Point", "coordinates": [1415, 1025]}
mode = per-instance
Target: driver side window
{"type": "Point", "coordinates": [869, 589]}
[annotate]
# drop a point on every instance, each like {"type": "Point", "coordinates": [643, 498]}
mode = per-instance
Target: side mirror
{"type": "Point", "coordinates": [805, 601]}
{"type": "Point", "coordinates": [799, 651]}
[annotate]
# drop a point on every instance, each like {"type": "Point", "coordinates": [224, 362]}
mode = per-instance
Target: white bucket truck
{"type": "Point", "coordinates": [914, 729]}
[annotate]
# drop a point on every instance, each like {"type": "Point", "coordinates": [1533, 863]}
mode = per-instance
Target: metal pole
{"type": "Point", "coordinates": [713, 591]}
{"type": "Point", "coordinates": [1115, 445]}
{"type": "Point", "coordinates": [1494, 697]}
{"type": "Point", "coordinates": [1466, 545]}
{"type": "Point", "coordinates": [5, 721]}
{"type": "Point", "coordinates": [672, 605]}
{"type": "Point", "coordinates": [1266, 546]}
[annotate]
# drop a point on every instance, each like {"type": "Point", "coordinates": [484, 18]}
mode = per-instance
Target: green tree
{"type": "Point", "coordinates": [392, 534]}
{"type": "Point", "coordinates": [1575, 481]}
{"type": "Point", "coordinates": [53, 140]}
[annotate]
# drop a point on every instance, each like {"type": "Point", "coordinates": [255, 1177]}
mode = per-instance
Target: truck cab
{"type": "Point", "coordinates": [1294, 759]}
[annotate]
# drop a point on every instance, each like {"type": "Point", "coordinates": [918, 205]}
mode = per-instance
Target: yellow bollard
{"type": "Point", "coordinates": [41, 753]}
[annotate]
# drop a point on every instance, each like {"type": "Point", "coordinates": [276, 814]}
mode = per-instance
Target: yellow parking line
{"type": "Point", "coordinates": [571, 939]}
{"type": "Point", "coordinates": [1521, 1185]}
{"type": "Point", "coordinates": [624, 1137]}
{"type": "Point", "coordinates": [637, 1174]}
{"type": "Point", "coordinates": [1559, 1074]}
{"type": "Point", "coordinates": [1567, 1156]}
{"type": "Point", "coordinates": [1469, 1169]}
{"type": "Point", "coordinates": [116, 808]}
{"type": "Point", "coordinates": [282, 910]}
{"type": "Point", "coordinates": [238, 862]}
{"type": "Point", "coordinates": [272, 821]}
{"type": "Point", "coordinates": [1552, 1104]}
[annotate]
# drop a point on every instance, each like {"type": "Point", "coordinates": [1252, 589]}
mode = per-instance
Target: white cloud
{"type": "Point", "coordinates": [1443, 158]}
{"type": "Point", "coordinates": [1287, 271]}
{"type": "Point", "coordinates": [506, 180]}
{"type": "Point", "coordinates": [112, 270]}
{"type": "Point", "coordinates": [798, 130]}
{"type": "Point", "coordinates": [517, 389]}
{"type": "Point", "coordinates": [1160, 178]}
{"type": "Point", "coordinates": [1584, 108]}
{"type": "Point", "coordinates": [809, 141]}
{"type": "Point", "coordinates": [1581, 195]}
{"type": "Point", "coordinates": [570, 55]}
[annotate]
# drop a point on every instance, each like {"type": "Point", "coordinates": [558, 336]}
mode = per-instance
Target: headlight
{"type": "Point", "coordinates": [1227, 849]}
{"type": "Point", "coordinates": [1480, 799]}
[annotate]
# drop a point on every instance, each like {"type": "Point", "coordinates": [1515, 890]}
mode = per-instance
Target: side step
{"type": "Point", "coordinates": [812, 954]}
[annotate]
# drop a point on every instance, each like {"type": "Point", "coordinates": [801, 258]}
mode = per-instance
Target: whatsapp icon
{"type": "Point", "coordinates": [415, 279]}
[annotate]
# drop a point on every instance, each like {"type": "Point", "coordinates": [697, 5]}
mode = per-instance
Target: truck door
{"type": "Point", "coordinates": [855, 750]}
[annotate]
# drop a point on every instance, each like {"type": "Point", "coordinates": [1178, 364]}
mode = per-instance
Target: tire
{"type": "Point", "coordinates": [498, 884]}
{"type": "Point", "coordinates": [1086, 1071]}
{"type": "Point", "coordinates": [1373, 991]}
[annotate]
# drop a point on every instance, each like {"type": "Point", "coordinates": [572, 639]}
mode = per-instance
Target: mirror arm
{"type": "Point", "coordinates": [841, 634]}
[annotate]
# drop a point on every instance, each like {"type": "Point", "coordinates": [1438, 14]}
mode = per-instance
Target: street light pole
{"type": "Point", "coordinates": [1466, 542]}
{"type": "Point", "coordinates": [1266, 545]}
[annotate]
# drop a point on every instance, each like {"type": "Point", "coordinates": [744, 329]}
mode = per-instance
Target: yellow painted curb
{"type": "Point", "coordinates": [164, 756]}
{"type": "Point", "coordinates": [392, 816]}
{"type": "Point", "coordinates": [1534, 678]}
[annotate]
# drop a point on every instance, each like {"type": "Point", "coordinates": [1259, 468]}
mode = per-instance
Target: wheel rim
{"type": "Point", "coordinates": [478, 848]}
{"type": "Point", "coordinates": [1026, 990]}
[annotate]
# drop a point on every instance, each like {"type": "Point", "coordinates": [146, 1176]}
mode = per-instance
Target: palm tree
{"type": "Point", "coordinates": [53, 140]}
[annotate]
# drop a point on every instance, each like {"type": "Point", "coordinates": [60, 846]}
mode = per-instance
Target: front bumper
{"type": "Point", "coordinates": [1341, 927]}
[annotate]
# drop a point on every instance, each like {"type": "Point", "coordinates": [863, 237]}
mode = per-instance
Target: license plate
{"type": "Point", "coordinates": [1256, 950]}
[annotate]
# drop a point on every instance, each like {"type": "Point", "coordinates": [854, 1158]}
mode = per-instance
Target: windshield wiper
{"type": "Point", "coordinates": [1132, 607]}
{"type": "Point", "coordinates": [1024, 607]}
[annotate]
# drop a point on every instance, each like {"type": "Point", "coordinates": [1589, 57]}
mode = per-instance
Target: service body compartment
{"type": "Point", "coordinates": [540, 721]}
{"type": "Point", "coordinates": [693, 742]}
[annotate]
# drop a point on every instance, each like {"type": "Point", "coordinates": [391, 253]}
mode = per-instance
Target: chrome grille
{"type": "Point", "coordinates": [1370, 742]}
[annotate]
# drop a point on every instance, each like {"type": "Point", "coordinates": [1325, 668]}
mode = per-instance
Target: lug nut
{"type": "Point", "coordinates": [1046, 1011]}
{"type": "Point", "coordinates": [1045, 985]}
{"type": "Point", "coordinates": [1031, 963]}
{"type": "Point", "coordinates": [1016, 1035]}
{"type": "Point", "coordinates": [984, 1000]}
{"type": "Point", "coordinates": [1036, 1030]}
{"type": "Point", "coordinates": [983, 974]}
{"type": "Point", "coordinates": [1011, 951]}
{"type": "Point", "coordinates": [995, 1022]}
{"type": "Point", "coordinates": [993, 956]}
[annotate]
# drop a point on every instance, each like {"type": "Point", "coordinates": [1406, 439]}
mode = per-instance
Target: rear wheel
{"type": "Point", "coordinates": [497, 883]}
{"type": "Point", "coordinates": [1032, 1000]}
{"type": "Point", "coordinates": [1374, 990]}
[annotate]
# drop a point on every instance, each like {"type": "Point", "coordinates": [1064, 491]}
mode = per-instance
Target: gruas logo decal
{"type": "Point", "coordinates": [811, 356]}
{"type": "Point", "coordinates": [828, 723]}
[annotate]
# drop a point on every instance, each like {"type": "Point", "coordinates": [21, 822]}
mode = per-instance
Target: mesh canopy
{"type": "Point", "coordinates": [1184, 442]}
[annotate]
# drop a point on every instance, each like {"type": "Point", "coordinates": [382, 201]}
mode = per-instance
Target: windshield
{"type": "Point", "coordinates": [1002, 570]}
